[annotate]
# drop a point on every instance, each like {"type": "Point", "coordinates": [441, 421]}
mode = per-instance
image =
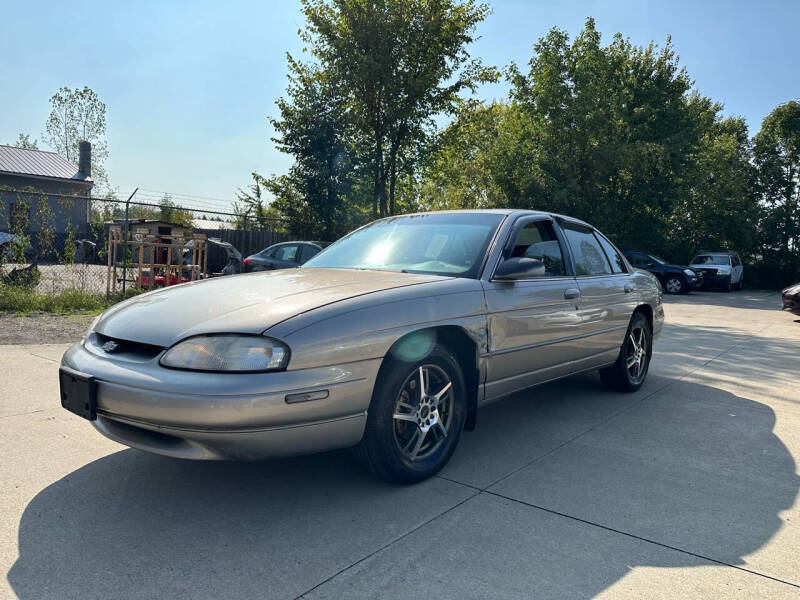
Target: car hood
{"type": "Point", "coordinates": [248, 303]}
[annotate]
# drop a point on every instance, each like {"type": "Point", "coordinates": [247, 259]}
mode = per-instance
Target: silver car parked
{"type": "Point", "coordinates": [389, 340]}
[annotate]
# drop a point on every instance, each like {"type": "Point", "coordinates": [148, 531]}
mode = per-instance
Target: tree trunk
{"type": "Point", "coordinates": [392, 179]}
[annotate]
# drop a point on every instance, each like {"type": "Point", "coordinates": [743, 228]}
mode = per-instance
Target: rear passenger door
{"type": "Point", "coordinates": [606, 295]}
{"type": "Point", "coordinates": [531, 321]}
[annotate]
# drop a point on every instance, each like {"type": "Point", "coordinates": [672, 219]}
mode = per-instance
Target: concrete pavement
{"type": "Point", "coordinates": [687, 488]}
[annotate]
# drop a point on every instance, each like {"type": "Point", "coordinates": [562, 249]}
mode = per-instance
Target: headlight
{"type": "Point", "coordinates": [688, 272]}
{"type": "Point", "coordinates": [227, 352]}
{"type": "Point", "coordinates": [724, 271]}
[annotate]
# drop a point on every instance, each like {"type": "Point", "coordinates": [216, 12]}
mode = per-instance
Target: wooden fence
{"type": "Point", "coordinates": [247, 242]}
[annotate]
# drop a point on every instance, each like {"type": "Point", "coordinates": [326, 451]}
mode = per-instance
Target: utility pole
{"type": "Point", "coordinates": [126, 231]}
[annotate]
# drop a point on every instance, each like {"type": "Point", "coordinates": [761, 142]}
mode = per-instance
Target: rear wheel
{"type": "Point", "coordinates": [675, 285]}
{"type": "Point", "coordinates": [415, 418]}
{"type": "Point", "coordinates": [630, 370]}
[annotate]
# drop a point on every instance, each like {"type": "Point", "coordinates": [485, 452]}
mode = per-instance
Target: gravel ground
{"type": "Point", "coordinates": [42, 328]}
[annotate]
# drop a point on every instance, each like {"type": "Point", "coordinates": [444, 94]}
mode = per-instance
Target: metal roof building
{"type": "Point", "coordinates": [40, 164]}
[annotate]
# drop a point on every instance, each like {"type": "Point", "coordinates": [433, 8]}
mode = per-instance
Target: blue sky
{"type": "Point", "coordinates": [189, 85]}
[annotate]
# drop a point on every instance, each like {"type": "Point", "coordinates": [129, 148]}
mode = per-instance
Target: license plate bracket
{"type": "Point", "coordinates": [78, 393]}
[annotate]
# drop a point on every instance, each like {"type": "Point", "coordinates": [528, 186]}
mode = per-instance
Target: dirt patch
{"type": "Point", "coordinates": [43, 328]}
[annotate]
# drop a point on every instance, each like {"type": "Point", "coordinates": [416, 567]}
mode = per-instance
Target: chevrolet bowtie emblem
{"type": "Point", "coordinates": [110, 346]}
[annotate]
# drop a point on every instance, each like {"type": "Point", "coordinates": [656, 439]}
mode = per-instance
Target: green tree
{"type": "Point", "coordinates": [24, 141]}
{"type": "Point", "coordinates": [314, 128]}
{"type": "Point", "coordinates": [777, 160]}
{"type": "Point", "coordinates": [398, 64]}
{"type": "Point", "coordinates": [253, 210]}
{"type": "Point", "coordinates": [78, 115]}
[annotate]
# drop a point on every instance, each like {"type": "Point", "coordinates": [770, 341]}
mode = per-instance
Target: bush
{"type": "Point", "coordinates": [21, 300]}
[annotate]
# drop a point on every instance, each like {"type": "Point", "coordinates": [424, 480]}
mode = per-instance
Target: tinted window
{"type": "Point", "coordinates": [589, 256]}
{"type": "Point", "coordinates": [638, 259]}
{"type": "Point", "coordinates": [307, 252]}
{"type": "Point", "coordinates": [268, 253]}
{"type": "Point", "coordinates": [451, 244]}
{"type": "Point", "coordinates": [287, 253]}
{"type": "Point", "coordinates": [538, 240]}
{"type": "Point", "coordinates": [711, 259]}
{"type": "Point", "coordinates": [736, 261]}
{"type": "Point", "coordinates": [617, 265]}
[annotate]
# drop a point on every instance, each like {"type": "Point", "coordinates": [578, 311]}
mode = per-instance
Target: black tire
{"type": "Point", "coordinates": [738, 285]}
{"type": "Point", "coordinates": [675, 284]}
{"type": "Point", "coordinates": [619, 376]}
{"type": "Point", "coordinates": [381, 448]}
{"type": "Point", "coordinates": [727, 286]}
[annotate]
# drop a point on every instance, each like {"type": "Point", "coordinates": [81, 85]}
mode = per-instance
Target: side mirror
{"type": "Point", "coordinates": [519, 268]}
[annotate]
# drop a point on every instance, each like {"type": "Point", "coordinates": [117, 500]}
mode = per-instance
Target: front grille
{"type": "Point", "coordinates": [110, 346]}
{"type": "Point", "coordinates": [708, 272]}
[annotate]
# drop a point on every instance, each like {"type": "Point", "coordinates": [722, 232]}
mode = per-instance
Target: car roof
{"type": "Point", "coordinates": [499, 211]}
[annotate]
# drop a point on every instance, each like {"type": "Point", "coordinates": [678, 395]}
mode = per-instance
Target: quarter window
{"type": "Point", "coordinates": [538, 240]}
{"type": "Point", "coordinates": [589, 256]}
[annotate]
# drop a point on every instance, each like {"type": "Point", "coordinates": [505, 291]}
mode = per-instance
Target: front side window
{"type": "Point", "coordinates": [538, 240]}
{"type": "Point", "coordinates": [617, 264]}
{"type": "Point", "coordinates": [587, 253]}
{"type": "Point", "coordinates": [450, 244]}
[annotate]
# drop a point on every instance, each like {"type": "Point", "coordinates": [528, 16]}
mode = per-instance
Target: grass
{"type": "Point", "coordinates": [25, 300]}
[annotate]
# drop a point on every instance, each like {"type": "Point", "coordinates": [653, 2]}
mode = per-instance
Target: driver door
{"type": "Point", "coordinates": [531, 321]}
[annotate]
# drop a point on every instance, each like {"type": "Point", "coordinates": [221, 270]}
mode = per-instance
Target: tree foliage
{"type": "Point", "coordinates": [24, 141]}
{"type": "Point", "coordinates": [612, 134]}
{"type": "Point", "coordinates": [78, 115]}
{"type": "Point", "coordinates": [777, 158]}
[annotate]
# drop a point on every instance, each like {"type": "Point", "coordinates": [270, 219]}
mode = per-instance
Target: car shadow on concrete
{"type": "Point", "coordinates": [135, 525]}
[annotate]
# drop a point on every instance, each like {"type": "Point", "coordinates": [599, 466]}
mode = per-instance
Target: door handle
{"type": "Point", "coordinates": [571, 293]}
{"type": "Point", "coordinates": [628, 288]}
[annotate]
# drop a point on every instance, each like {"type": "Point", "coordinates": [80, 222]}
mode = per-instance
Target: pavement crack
{"type": "Point", "coordinates": [387, 545]}
{"type": "Point", "coordinates": [640, 538]}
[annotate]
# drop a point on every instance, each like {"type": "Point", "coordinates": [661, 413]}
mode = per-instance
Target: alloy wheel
{"type": "Point", "coordinates": [674, 285]}
{"type": "Point", "coordinates": [636, 355]}
{"type": "Point", "coordinates": [423, 412]}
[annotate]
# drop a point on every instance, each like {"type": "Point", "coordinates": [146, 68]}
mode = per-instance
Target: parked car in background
{"type": "Point", "coordinates": [390, 339]}
{"type": "Point", "coordinates": [674, 279]}
{"type": "Point", "coordinates": [720, 269]}
{"type": "Point", "coordinates": [286, 255]}
{"type": "Point", "coordinates": [791, 298]}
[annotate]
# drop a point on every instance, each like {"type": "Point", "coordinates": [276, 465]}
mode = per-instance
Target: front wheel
{"type": "Point", "coordinates": [675, 285]}
{"type": "Point", "coordinates": [416, 417]}
{"type": "Point", "coordinates": [630, 370]}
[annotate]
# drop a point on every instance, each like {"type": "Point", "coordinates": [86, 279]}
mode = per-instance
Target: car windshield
{"type": "Point", "coordinates": [451, 244]}
{"type": "Point", "coordinates": [711, 259]}
{"type": "Point", "coordinates": [655, 258]}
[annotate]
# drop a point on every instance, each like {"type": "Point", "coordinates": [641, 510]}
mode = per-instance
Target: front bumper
{"type": "Point", "coordinates": [226, 416]}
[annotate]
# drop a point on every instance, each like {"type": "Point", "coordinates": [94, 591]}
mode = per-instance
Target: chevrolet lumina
{"type": "Point", "coordinates": [388, 340]}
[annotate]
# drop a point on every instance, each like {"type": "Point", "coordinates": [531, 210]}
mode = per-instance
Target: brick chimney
{"type": "Point", "coordinates": [85, 159]}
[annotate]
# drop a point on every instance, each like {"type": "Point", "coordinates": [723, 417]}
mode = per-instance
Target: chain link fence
{"type": "Point", "coordinates": [55, 243]}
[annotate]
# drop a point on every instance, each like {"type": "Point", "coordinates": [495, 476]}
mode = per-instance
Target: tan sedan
{"type": "Point", "coordinates": [389, 340]}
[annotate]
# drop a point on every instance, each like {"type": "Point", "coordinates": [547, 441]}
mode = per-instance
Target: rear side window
{"type": "Point", "coordinates": [287, 253]}
{"type": "Point", "coordinates": [538, 240]}
{"type": "Point", "coordinates": [617, 264]}
{"type": "Point", "coordinates": [587, 252]}
{"type": "Point", "coordinates": [307, 252]}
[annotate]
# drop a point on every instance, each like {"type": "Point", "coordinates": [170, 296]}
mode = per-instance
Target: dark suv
{"type": "Point", "coordinates": [674, 278]}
